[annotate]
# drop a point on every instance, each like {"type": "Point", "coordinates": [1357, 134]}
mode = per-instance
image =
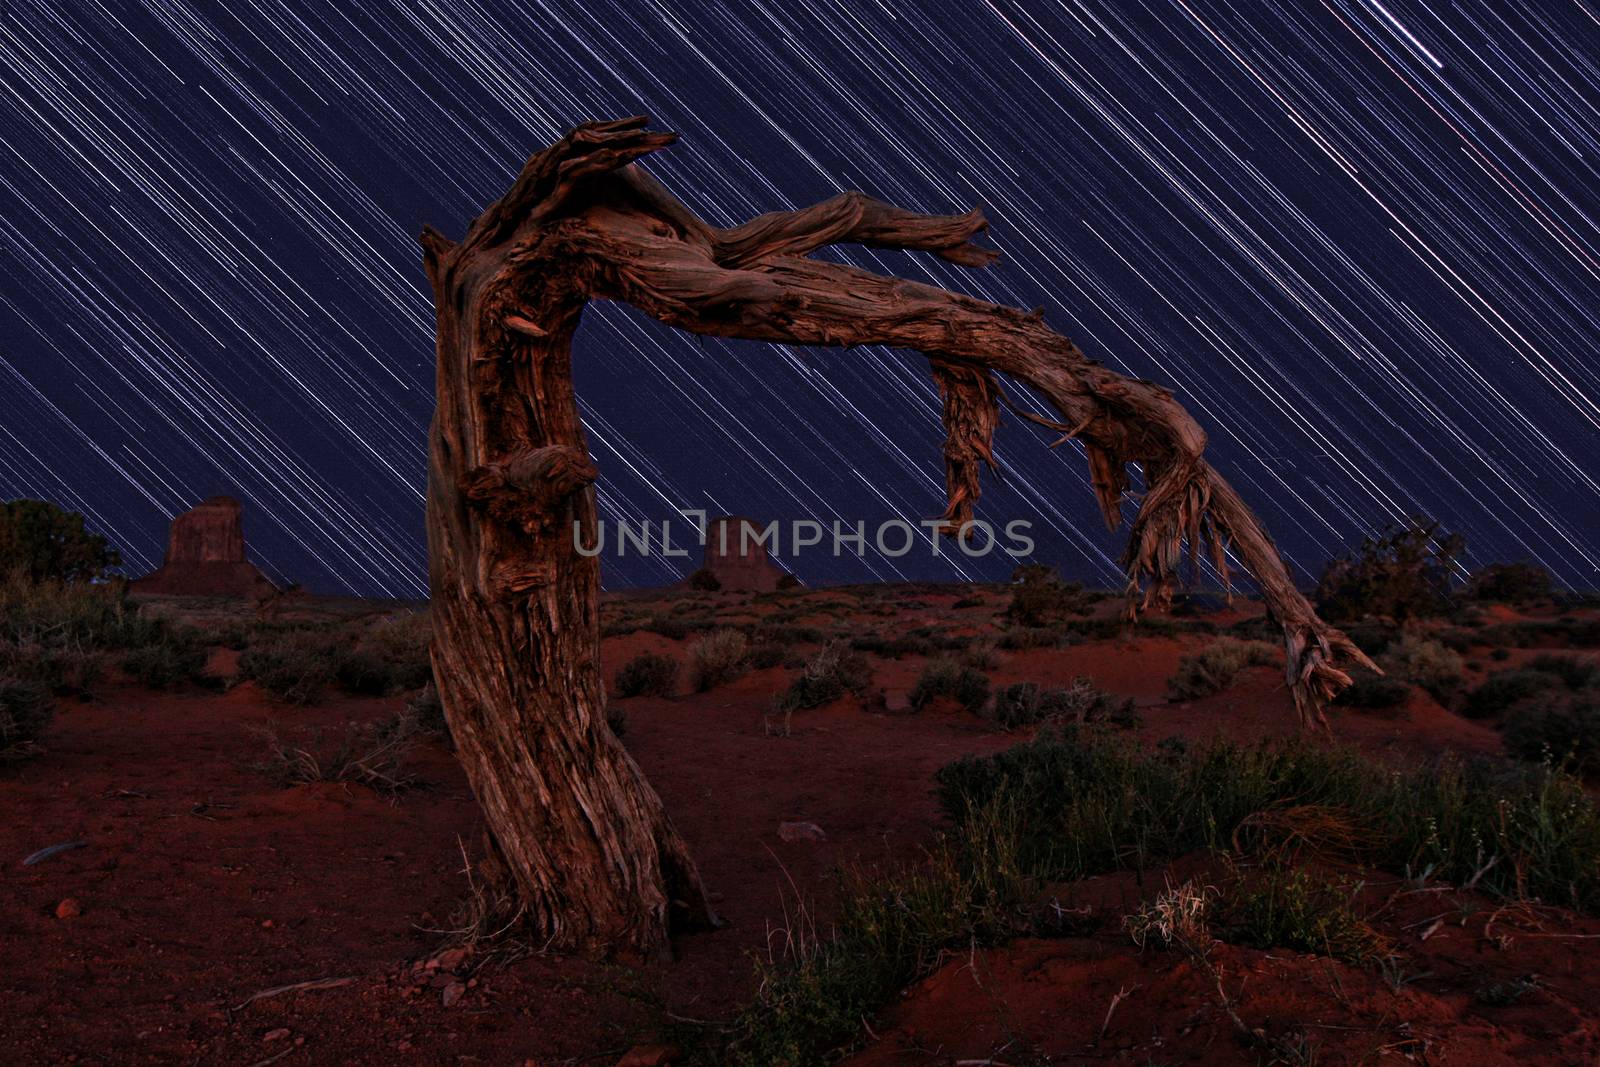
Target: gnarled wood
{"type": "Point", "coordinates": [595, 861]}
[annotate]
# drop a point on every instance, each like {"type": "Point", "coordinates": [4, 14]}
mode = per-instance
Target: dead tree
{"type": "Point", "coordinates": [596, 865]}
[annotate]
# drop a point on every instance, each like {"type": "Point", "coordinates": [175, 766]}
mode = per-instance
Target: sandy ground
{"type": "Point", "coordinates": [202, 883]}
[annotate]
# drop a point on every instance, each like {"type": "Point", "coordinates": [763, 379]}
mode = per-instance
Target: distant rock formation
{"type": "Point", "coordinates": [205, 556]}
{"type": "Point", "coordinates": [736, 559]}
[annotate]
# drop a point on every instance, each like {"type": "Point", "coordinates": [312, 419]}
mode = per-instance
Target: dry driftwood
{"type": "Point", "coordinates": [516, 653]}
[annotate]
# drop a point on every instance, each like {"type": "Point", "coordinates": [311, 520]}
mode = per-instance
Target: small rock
{"type": "Point", "coordinates": [266, 924]}
{"type": "Point", "coordinates": [452, 959]}
{"type": "Point", "coordinates": [800, 831]}
{"type": "Point", "coordinates": [452, 993]}
{"type": "Point", "coordinates": [276, 1035]}
{"type": "Point", "coordinates": [649, 1056]}
{"type": "Point", "coordinates": [69, 908]}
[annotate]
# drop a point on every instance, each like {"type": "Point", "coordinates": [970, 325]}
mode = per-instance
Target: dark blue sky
{"type": "Point", "coordinates": [1359, 239]}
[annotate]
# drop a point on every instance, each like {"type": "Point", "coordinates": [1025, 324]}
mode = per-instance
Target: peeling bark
{"type": "Point", "coordinates": [593, 857]}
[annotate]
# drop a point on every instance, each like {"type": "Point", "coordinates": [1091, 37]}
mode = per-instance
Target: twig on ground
{"type": "Point", "coordinates": [293, 987]}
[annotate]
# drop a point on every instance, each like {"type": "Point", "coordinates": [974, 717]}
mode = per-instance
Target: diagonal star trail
{"type": "Point", "coordinates": [1360, 239]}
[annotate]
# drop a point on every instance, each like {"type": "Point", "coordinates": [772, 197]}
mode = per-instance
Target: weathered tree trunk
{"type": "Point", "coordinates": [596, 865]}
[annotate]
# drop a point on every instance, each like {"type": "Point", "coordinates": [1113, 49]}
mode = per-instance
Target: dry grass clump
{"type": "Point", "coordinates": [1282, 906]}
{"type": "Point", "coordinates": [368, 755]}
{"type": "Point", "coordinates": [718, 658]}
{"type": "Point", "coordinates": [1213, 668]}
{"type": "Point", "coordinates": [647, 674]}
{"type": "Point", "coordinates": [26, 709]}
{"type": "Point", "coordinates": [1026, 704]}
{"type": "Point", "coordinates": [1179, 917]}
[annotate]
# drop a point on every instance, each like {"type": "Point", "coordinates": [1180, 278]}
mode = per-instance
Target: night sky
{"type": "Point", "coordinates": [1360, 240]}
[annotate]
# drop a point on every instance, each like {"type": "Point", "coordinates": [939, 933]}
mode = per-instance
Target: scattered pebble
{"type": "Point", "coordinates": [69, 908]}
{"type": "Point", "coordinates": [649, 1056]}
{"type": "Point", "coordinates": [276, 1035]}
{"type": "Point", "coordinates": [452, 993]}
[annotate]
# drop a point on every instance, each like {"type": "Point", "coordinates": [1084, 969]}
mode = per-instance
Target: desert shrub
{"type": "Point", "coordinates": [981, 655]}
{"type": "Point", "coordinates": [1039, 596]}
{"type": "Point", "coordinates": [893, 927]}
{"type": "Point", "coordinates": [1510, 583]}
{"type": "Point", "coordinates": [705, 581]}
{"type": "Point", "coordinates": [1402, 574]}
{"type": "Point", "coordinates": [1026, 703]}
{"type": "Point", "coordinates": [788, 581]}
{"type": "Point", "coordinates": [178, 657]}
{"type": "Point", "coordinates": [969, 602]}
{"type": "Point", "coordinates": [1089, 803]}
{"type": "Point", "coordinates": [391, 656]}
{"type": "Point", "coordinates": [427, 711]}
{"type": "Point", "coordinates": [1574, 673]}
{"type": "Point", "coordinates": [54, 614]}
{"type": "Point", "coordinates": [1504, 994]}
{"type": "Point", "coordinates": [62, 634]}
{"type": "Point", "coordinates": [789, 634]}
{"type": "Point", "coordinates": [362, 672]}
{"type": "Point", "coordinates": [768, 654]}
{"type": "Point", "coordinates": [1572, 633]}
{"type": "Point", "coordinates": [1020, 638]}
{"type": "Point", "coordinates": [647, 674]}
{"type": "Point", "coordinates": [367, 754]}
{"type": "Point", "coordinates": [1159, 626]}
{"type": "Point", "coordinates": [1193, 605]}
{"type": "Point", "coordinates": [893, 647]}
{"type": "Point", "coordinates": [617, 719]}
{"type": "Point", "coordinates": [1256, 628]}
{"type": "Point", "coordinates": [1428, 664]}
{"type": "Point", "coordinates": [1100, 629]}
{"type": "Point", "coordinates": [1564, 728]}
{"type": "Point", "coordinates": [678, 627]}
{"type": "Point", "coordinates": [620, 627]}
{"type": "Point", "coordinates": [948, 678]}
{"type": "Point", "coordinates": [1213, 668]}
{"type": "Point", "coordinates": [718, 658]}
{"type": "Point", "coordinates": [1372, 636]}
{"type": "Point", "coordinates": [828, 675]}
{"type": "Point", "coordinates": [1373, 691]}
{"type": "Point", "coordinates": [1286, 907]}
{"type": "Point", "coordinates": [1505, 689]}
{"type": "Point", "coordinates": [41, 542]}
{"type": "Point", "coordinates": [25, 712]}
{"type": "Point", "coordinates": [293, 665]}
{"type": "Point", "coordinates": [72, 670]}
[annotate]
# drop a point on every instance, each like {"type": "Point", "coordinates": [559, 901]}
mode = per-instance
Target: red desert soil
{"type": "Point", "coordinates": [203, 883]}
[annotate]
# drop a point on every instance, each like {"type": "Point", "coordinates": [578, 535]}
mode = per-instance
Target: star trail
{"type": "Point", "coordinates": [1358, 238]}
